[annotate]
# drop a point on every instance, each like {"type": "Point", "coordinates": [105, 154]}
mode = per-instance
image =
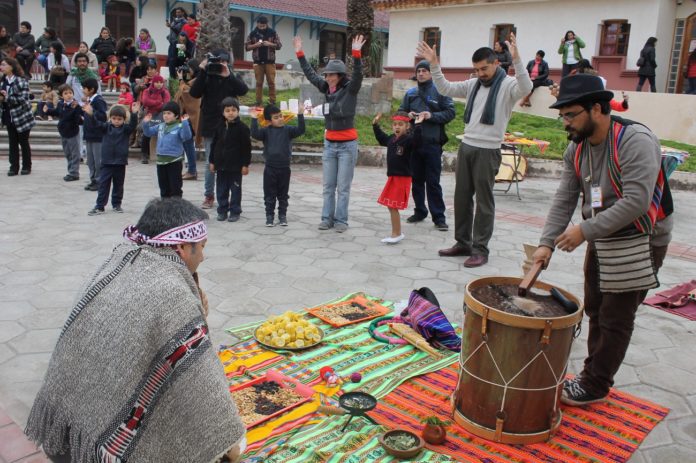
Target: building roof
{"type": "Point", "coordinates": [384, 5]}
{"type": "Point", "coordinates": [329, 11]}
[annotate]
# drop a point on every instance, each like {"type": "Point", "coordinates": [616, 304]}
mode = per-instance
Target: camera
{"type": "Point", "coordinates": [214, 66]}
{"type": "Point", "coordinates": [184, 69]}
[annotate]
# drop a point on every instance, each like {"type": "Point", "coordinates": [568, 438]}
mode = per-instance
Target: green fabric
{"type": "Point", "coordinates": [577, 45]}
{"type": "Point", "coordinates": [84, 75]}
{"type": "Point", "coordinates": [163, 160]}
{"type": "Point", "coordinates": [351, 349]}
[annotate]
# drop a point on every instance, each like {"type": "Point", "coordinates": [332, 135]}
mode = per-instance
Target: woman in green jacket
{"type": "Point", "coordinates": [570, 59]}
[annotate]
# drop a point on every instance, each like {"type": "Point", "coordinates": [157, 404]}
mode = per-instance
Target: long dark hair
{"type": "Point", "coordinates": [503, 45]}
{"type": "Point", "coordinates": [14, 64]}
{"type": "Point", "coordinates": [58, 54]}
{"type": "Point", "coordinates": [569, 32]}
{"type": "Point", "coordinates": [123, 44]}
{"type": "Point", "coordinates": [650, 42]}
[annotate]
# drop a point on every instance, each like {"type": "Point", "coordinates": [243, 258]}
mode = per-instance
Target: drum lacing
{"type": "Point", "coordinates": [506, 384]}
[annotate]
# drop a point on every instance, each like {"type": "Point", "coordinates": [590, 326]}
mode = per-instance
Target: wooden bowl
{"type": "Point", "coordinates": [409, 453]}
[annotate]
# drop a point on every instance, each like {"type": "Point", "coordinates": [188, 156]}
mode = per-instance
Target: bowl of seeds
{"type": "Point", "coordinates": [401, 443]}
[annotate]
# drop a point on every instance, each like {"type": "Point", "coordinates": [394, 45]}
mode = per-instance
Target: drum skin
{"type": "Point", "coordinates": [530, 405]}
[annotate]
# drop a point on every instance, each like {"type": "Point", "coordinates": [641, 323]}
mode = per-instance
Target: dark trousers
{"type": "Point", "coordinates": [641, 81]}
{"type": "Point", "coordinates": [611, 325]}
{"type": "Point", "coordinates": [109, 174]}
{"type": "Point", "coordinates": [228, 186]}
{"type": "Point", "coordinates": [17, 140]}
{"type": "Point", "coordinates": [276, 184]}
{"type": "Point", "coordinates": [426, 165]}
{"type": "Point", "coordinates": [169, 179]}
{"type": "Point", "coordinates": [475, 176]}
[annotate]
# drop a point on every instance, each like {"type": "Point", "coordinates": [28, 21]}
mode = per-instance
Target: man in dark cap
{"type": "Point", "coordinates": [427, 161]}
{"type": "Point", "coordinates": [263, 43]}
{"type": "Point", "coordinates": [212, 87]}
{"type": "Point", "coordinates": [615, 164]}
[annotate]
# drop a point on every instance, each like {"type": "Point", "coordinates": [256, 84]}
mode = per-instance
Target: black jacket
{"type": "Point", "coordinates": [212, 90]}
{"type": "Point", "coordinates": [343, 101]}
{"type": "Point", "coordinates": [649, 63]}
{"type": "Point", "coordinates": [103, 48]}
{"type": "Point", "coordinates": [425, 97]}
{"type": "Point", "coordinates": [69, 119]}
{"type": "Point", "coordinates": [91, 131]}
{"type": "Point", "coordinates": [115, 140]}
{"type": "Point", "coordinates": [399, 150]}
{"type": "Point", "coordinates": [543, 70]}
{"type": "Point", "coordinates": [231, 147]}
{"type": "Point", "coordinates": [277, 141]}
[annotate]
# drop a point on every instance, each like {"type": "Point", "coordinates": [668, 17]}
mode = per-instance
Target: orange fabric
{"type": "Point", "coordinates": [300, 54]}
{"type": "Point", "coordinates": [617, 106]}
{"type": "Point", "coordinates": [342, 135]}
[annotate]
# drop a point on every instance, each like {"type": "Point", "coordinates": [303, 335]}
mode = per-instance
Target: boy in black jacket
{"type": "Point", "coordinates": [114, 157]}
{"type": "Point", "coordinates": [277, 151]}
{"type": "Point", "coordinates": [69, 115]}
{"type": "Point", "coordinates": [92, 131]}
{"type": "Point", "coordinates": [230, 155]}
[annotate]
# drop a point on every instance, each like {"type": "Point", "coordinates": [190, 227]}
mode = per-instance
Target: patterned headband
{"type": "Point", "coordinates": [193, 232]}
{"type": "Point", "coordinates": [401, 118]}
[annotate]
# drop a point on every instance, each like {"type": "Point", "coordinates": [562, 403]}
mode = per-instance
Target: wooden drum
{"type": "Point", "coordinates": [512, 369]}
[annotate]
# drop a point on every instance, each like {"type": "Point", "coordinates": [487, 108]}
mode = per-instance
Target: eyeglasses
{"type": "Point", "coordinates": [568, 117]}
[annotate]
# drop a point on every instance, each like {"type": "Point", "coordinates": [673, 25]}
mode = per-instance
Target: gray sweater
{"type": "Point", "coordinates": [512, 89]}
{"type": "Point", "coordinates": [277, 141]}
{"type": "Point", "coordinates": [640, 161]}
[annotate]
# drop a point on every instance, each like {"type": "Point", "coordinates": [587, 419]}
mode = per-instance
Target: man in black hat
{"type": "Point", "coordinates": [427, 161]}
{"type": "Point", "coordinates": [615, 165]}
{"type": "Point", "coordinates": [213, 85]}
{"type": "Point", "coordinates": [263, 43]}
{"type": "Point", "coordinates": [490, 97]}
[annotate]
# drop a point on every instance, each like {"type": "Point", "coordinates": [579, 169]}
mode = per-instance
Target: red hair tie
{"type": "Point", "coordinates": [401, 118]}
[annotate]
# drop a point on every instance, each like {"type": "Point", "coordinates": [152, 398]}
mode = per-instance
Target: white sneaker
{"type": "Point", "coordinates": [393, 239]}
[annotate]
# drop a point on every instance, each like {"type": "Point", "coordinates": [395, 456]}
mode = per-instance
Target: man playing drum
{"type": "Point", "coordinates": [615, 164]}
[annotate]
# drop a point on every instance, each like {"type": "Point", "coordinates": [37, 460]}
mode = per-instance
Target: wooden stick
{"type": "Point", "coordinates": [414, 338]}
{"type": "Point", "coordinates": [530, 278]}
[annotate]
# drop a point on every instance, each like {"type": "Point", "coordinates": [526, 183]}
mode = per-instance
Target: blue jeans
{"type": "Point", "coordinates": [338, 161]}
{"type": "Point", "coordinates": [43, 60]}
{"type": "Point", "coordinates": [190, 150]}
{"type": "Point", "coordinates": [209, 176]}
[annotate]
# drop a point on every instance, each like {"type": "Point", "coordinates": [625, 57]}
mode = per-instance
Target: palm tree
{"type": "Point", "coordinates": [361, 19]}
{"type": "Point", "coordinates": [215, 31]}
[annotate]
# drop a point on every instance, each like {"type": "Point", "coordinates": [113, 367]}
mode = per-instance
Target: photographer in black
{"type": "Point", "coordinates": [215, 82]}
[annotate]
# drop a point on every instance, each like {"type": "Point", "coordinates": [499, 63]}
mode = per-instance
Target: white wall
{"type": "Point", "coordinates": [35, 14]}
{"type": "Point", "coordinates": [540, 25]}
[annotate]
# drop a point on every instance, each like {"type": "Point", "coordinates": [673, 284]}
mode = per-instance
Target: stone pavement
{"type": "Point", "coordinates": [49, 246]}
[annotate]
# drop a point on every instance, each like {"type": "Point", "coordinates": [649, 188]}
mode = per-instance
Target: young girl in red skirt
{"type": "Point", "coordinates": [400, 147]}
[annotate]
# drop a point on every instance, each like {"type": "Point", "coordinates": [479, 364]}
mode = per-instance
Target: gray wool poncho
{"type": "Point", "coordinates": [134, 376]}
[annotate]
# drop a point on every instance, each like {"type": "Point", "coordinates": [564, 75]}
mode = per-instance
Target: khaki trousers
{"type": "Point", "coordinates": [269, 72]}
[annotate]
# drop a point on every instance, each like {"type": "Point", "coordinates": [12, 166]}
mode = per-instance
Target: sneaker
{"type": "Point", "coordinates": [340, 227]}
{"type": "Point", "coordinates": [442, 226]}
{"type": "Point", "coordinates": [96, 211]}
{"type": "Point", "coordinates": [144, 161]}
{"type": "Point", "coordinates": [208, 203]}
{"type": "Point", "coordinates": [415, 218]}
{"type": "Point", "coordinates": [269, 221]}
{"type": "Point", "coordinates": [92, 186]}
{"type": "Point", "coordinates": [393, 239]}
{"type": "Point", "coordinates": [25, 172]}
{"type": "Point", "coordinates": [71, 178]}
{"type": "Point", "coordinates": [324, 225]}
{"type": "Point", "coordinates": [222, 216]}
{"type": "Point", "coordinates": [233, 218]}
{"type": "Point", "coordinates": [283, 221]}
{"type": "Point", "coordinates": [189, 176]}
{"type": "Point", "coordinates": [118, 209]}
{"type": "Point", "coordinates": [575, 394]}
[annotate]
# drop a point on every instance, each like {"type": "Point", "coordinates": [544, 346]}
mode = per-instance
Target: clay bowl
{"type": "Point", "coordinates": [409, 453]}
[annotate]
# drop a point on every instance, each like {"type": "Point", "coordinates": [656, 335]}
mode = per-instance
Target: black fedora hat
{"type": "Point", "coordinates": [579, 88]}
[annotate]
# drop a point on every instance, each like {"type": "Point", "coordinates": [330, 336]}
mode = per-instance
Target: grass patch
{"type": "Point", "coordinates": [542, 128]}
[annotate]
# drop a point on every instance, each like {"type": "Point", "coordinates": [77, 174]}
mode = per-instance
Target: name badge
{"type": "Point", "coordinates": [596, 196]}
{"type": "Point", "coordinates": [325, 110]}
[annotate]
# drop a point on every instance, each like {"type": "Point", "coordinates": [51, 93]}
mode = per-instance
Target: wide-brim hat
{"type": "Point", "coordinates": [579, 88]}
{"type": "Point", "coordinates": [335, 66]}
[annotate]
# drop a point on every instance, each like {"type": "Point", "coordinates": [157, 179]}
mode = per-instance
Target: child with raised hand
{"type": "Point", "coordinates": [400, 147]}
{"type": "Point", "coordinates": [171, 135]}
{"type": "Point", "coordinates": [277, 151]}
{"type": "Point", "coordinates": [230, 155]}
{"type": "Point", "coordinates": [69, 115]}
{"type": "Point", "coordinates": [114, 154]}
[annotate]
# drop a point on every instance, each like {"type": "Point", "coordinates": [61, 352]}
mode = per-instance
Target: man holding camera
{"type": "Point", "coordinates": [427, 162]}
{"type": "Point", "coordinates": [263, 43]}
{"type": "Point", "coordinates": [214, 83]}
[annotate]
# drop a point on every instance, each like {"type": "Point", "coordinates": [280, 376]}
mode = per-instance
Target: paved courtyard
{"type": "Point", "coordinates": [49, 246]}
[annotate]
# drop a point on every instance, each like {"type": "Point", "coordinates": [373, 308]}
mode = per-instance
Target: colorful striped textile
{"type": "Point", "coordinates": [605, 432]}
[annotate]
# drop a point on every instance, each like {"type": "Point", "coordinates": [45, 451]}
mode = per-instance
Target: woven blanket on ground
{"type": "Point", "coordinates": [680, 300]}
{"type": "Point", "coordinates": [605, 432]}
{"type": "Point", "coordinates": [351, 349]}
